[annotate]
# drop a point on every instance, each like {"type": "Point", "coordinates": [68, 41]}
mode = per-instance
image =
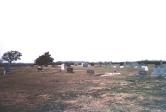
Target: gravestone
{"type": "Point", "coordinates": [39, 68]}
{"type": "Point", "coordinates": [121, 66]}
{"type": "Point", "coordinates": [159, 70]}
{"type": "Point", "coordinates": [62, 67]}
{"type": "Point", "coordinates": [70, 70]}
{"type": "Point", "coordinates": [6, 68]}
{"type": "Point", "coordinates": [142, 72]}
{"type": "Point", "coordinates": [91, 72]}
{"type": "Point", "coordinates": [85, 64]}
{"type": "Point", "coordinates": [145, 68]}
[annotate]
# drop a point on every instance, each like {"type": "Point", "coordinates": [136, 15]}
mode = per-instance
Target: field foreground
{"type": "Point", "coordinates": [26, 90]}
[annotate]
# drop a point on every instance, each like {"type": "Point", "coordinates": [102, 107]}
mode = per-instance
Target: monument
{"type": "Point", "coordinates": [90, 71]}
{"type": "Point", "coordinates": [62, 67]}
{"type": "Point", "coordinates": [159, 70]}
{"type": "Point", "coordinates": [6, 68]}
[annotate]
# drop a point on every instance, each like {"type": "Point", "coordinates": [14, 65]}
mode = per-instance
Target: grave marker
{"type": "Point", "coordinates": [62, 67]}
{"type": "Point", "coordinates": [159, 70]}
{"type": "Point", "coordinates": [89, 71]}
{"type": "Point", "coordinates": [70, 70]}
{"type": "Point", "coordinates": [6, 68]}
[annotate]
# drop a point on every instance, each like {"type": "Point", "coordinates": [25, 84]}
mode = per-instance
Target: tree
{"type": "Point", "coordinates": [11, 56]}
{"type": "Point", "coordinates": [44, 59]}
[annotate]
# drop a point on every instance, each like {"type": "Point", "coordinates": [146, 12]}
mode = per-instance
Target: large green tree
{"type": "Point", "coordinates": [11, 56]}
{"type": "Point", "coordinates": [44, 59]}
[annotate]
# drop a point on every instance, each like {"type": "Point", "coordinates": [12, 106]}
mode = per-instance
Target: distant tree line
{"type": "Point", "coordinates": [46, 59]}
{"type": "Point", "coordinates": [156, 62]}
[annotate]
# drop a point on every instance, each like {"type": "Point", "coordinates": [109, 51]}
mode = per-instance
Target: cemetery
{"type": "Point", "coordinates": [82, 56]}
{"type": "Point", "coordinates": [45, 86]}
{"type": "Point", "coordinates": [65, 88]}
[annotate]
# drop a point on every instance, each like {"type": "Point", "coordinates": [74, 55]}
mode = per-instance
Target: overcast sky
{"type": "Point", "coordinates": [90, 30]}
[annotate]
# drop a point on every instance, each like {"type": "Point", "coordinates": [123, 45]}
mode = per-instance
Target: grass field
{"type": "Point", "coordinates": [26, 90]}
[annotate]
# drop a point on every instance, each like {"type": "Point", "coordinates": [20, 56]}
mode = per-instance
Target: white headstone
{"type": "Point", "coordinates": [82, 64]}
{"type": "Point", "coordinates": [62, 67]}
{"type": "Point", "coordinates": [145, 68]}
{"type": "Point", "coordinates": [121, 66]}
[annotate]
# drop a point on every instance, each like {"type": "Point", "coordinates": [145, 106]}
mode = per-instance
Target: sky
{"type": "Point", "coordinates": [84, 30]}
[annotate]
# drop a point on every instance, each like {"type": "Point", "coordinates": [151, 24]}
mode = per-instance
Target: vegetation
{"type": "Point", "coordinates": [44, 59]}
{"type": "Point", "coordinates": [27, 90]}
{"type": "Point", "coordinates": [11, 56]}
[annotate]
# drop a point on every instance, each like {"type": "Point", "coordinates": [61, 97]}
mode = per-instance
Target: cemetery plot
{"type": "Point", "coordinates": [27, 90]}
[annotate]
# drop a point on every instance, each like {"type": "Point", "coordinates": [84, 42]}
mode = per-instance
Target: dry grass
{"type": "Point", "coordinates": [26, 90]}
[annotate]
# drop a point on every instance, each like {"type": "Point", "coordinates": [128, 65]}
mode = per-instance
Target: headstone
{"type": "Point", "coordinates": [85, 64]}
{"type": "Point", "coordinates": [39, 68]}
{"type": "Point", "coordinates": [69, 70]}
{"type": "Point", "coordinates": [75, 64]}
{"type": "Point", "coordinates": [142, 72]}
{"type": "Point", "coordinates": [62, 67]}
{"type": "Point", "coordinates": [6, 68]}
{"type": "Point", "coordinates": [159, 70]}
{"type": "Point", "coordinates": [89, 71]}
{"type": "Point", "coordinates": [121, 66]}
{"type": "Point", "coordinates": [145, 68]}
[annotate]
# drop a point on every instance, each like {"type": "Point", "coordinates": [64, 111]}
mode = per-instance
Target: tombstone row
{"type": "Point", "coordinates": [158, 70]}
